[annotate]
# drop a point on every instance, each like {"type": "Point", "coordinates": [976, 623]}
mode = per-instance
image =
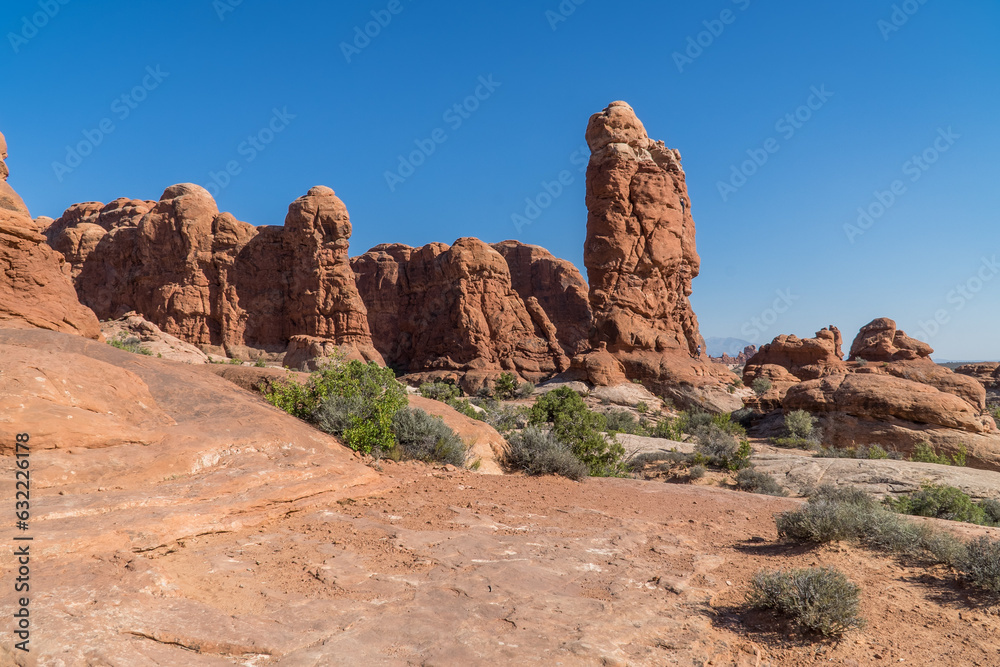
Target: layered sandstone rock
{"type": "Point", "coordinates": [879, 340]}
{"type": "Point", "coordinates": [902, 400]}
{"type": "Point", "coordinates": [641, 258]}
{"type": "Point", "coordinates": [216, 282]}
{"type": "Point", "coordinates": [788, 360]}
{"type": "Point", "coordinates": [740, 359]}
{"type": "Point", "coordinates": [34, 288]}
{"type": "Point", "coordinates": [987, 374]}
{"type": "Point", "coordinates": [452, 311]}
{"type": "Point", "coordinates": [559, 288]}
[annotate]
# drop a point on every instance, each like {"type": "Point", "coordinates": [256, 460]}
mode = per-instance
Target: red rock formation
{"type": "Point", "coordinates": [788, 360]}
{"type": "Point", "coordinates": [740, 359]}
{"type": "Point", "coordinates": [34, 288]}
{"type": "Point", "coordinates": [453, 311]}
{"type": "Point", "coordinates": [879, 340]}
{"type": "Point", "coordinates": [641, 258]}
{"type": "Point", "coordinates": [987, 374]}
{"type": "Point", "coordinates": [559, 288]}
{"type": "Point", "coordinates": [213, 281]}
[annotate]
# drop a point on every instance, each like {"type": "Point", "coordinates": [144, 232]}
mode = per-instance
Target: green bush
{"type": "Point", "coordinates": [525, 390]}
{"type": "Point", "coordinates": [799, 424]}
{"type": "Point", "coordinates": [128, 343]}
{"type": "Point", "coordinates": [623, 421]}
{"type": "Point", "coordinates": [260, 363]}
{"type": "Point", "coordinates": [439, 391]}
{"type": "Point", "coordinates": [819, 600]}
{"type": "Point", "coordinates": [465, 407]}
{"type": "Point", "coordinates": [995, 412]}
{"type": "Point", "coordinates": [980, 564]}
{"type": "Point", "coordinates": [426, 438]}
{"type": "Point", "coordinates": [992, 509]}
{"type": "Point", "coordinates": [642, 408]}
{"type": "Point", "coordinates": [506, 386]}
{"type": "Point", "coordinates": [669, 429]}
{"type": "Point", "coordinates": [761, 386]}
{"type": "Point", "coordinates": [721, 448]}
{"type": "Point", "coordinates": [755, 481]}
{"type": "Point", "coordinates": [580, 429]}
{"type": "Point", "coordinates": [538, 452]}
{"type": "Point", "coordinates": [942, 502]}
{"type": "Point", "coordinates": [925, 453]}
{"type": "Point", "coordinates": [696, 472]}
{"type": "Point", "coordinates": [872, 452]}
{"type": "Point", "coordinates": [353, 400]}
{"type": "Point", "coordinates": [504, 418]}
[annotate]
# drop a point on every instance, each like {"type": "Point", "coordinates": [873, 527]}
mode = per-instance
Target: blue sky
{"type": "Point", "coordinates": [184, 85]}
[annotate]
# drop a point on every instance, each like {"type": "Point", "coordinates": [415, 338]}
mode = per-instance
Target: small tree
{"type": "Point", "coordinates": [761, 386]}
{"type": "Point", "coordinates": [505, 387]}
{"type": "Point", "coordinates": [799, 424]}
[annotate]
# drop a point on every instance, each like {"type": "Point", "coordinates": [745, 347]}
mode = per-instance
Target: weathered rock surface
{"type": "Point", "coordinates": [451, 311]}
{"type": "Point", "coordinates": [641, 258]}
{"type": "Point", "coordinates": [152, 339]}
{"type": "Point", "coordinates": [218, 283]}
{"type": "Point", "coordinates": [788, 360]}
{"type": "Point", "coordinates": [559, 288]}
{"type": "Point", "coordinates": [879, 340]}
{"type": "Point", "coordinates": [987, 374]}
{"type": "Point", "coordinates": [34, 290]}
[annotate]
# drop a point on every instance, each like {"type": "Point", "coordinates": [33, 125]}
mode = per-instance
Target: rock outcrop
{"type": "Point", "coordinates": [451, 311]}
{"type": "Point", "coordinates": [216, 282]}
{"type": "Point", "coordinates": [892, 394]}
{"type": "Point", "coordinates": [136, 330]}
{"type": "Point", "coordinates": [35, 290]}
{"type": "Point", "coordinates": [641, 258]}
{"type": "Point", "coordinates": [559, 288]}
{"type": "Point", "coordinates": [987, 374]}
{"type": "Point", "coordinates": [879, 340]}
{"type": "Point", "coordinates": [740, 359]}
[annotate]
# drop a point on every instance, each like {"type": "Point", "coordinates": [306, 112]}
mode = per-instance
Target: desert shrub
{"type": "Point", "coordinates": [819, 600]}
{"type": "Point", "coordinates": [505, 418]}
{"type": "Point", "coordinates": [743, 417]}
{"type": "Point", "coordinates": [728, 424]}
{"type": "Point", "coordinates": [992, 509]}
{"type": "Point", "coordinates": [426, 438]}
{"type": "Point", "coordinates": [235, 362]}
{"type": "Point", "coordinates": [525, 390]}
{"type": "Point", "coordinates": [465, 407]}
{"type": "Point", "coordinates": [353, 400]}
{"type": "Point", "coordinates": [695, 420]}
{"type": "Point", "coordinates": [505, 387]}
{"type": "Point", "coordinates": [439, 391]}
{"type": "Point", "coordinates": [538, 452]}
{"type": "Point", "coordinates": [642, 408]}
{"type": "Point", "coordinates": [124, 341]}
{"type": "Point", "coordinates": [623, 421]}
{"type": "Point", "coordinates": [580, 429]}
{"type": "Point", "coordinates": [260, 363]}
{"type": "Point", "coordinates": [799, 424]}
{"type": "Point", "coordinates": [761, 386]}
{"type": "Point", "coordinates": [925, 453]}
{"type": "Point", "coordinates": [980, 564]}
{"type": "Point", "coordinates": [669, 429]}
{"type": "Point", "coordinates": [862, 363]}
{"type": "Point", "coordinates": [755, 481]}
{"type": "Point", "coordinates": [995, 413]}
{"type": "Point", "coordinates": [872, 452]}
{"type": "Point", "coordinates": [696, 472]}
{"type": "Point", "coordinates": [942, 502]}
{"type": "Point", "coordinates": [721, 448]}
{"type": "Point", "coordinates": [671, 458]}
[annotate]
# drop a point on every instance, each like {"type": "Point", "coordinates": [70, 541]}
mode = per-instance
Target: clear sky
{"type": "Point", "coordinates": [293, 94]}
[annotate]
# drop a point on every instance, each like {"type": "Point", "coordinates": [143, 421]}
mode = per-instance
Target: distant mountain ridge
{"type": "Point", "coordinates": [716, 347]}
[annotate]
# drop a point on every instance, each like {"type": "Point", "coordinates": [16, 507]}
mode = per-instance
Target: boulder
{"type": "Point", "coordinates": [151, 339]}
{"type": "Point", "coordinates": [879, 340]}
{"type": "Point", "coordinates": [35, 288]}
{"type": "Point", "coordinates": [641, 258]}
